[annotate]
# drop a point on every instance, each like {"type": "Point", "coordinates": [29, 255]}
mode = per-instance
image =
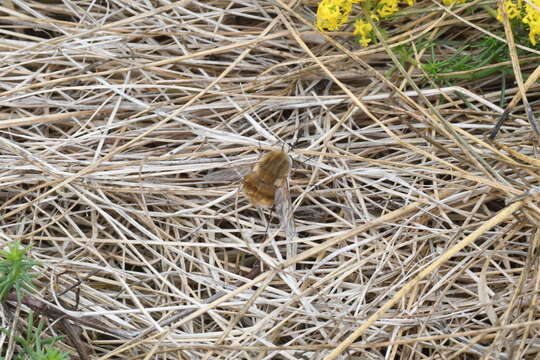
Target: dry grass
{"type": "Point", "coordinates": [125, 127]}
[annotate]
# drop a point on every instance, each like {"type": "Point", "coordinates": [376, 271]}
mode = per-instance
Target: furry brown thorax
{"type": "Point", "coordinates": [269, 173]}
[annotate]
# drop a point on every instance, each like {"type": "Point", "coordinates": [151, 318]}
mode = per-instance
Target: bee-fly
{"type": "Point", "coordinates": [268, 175]}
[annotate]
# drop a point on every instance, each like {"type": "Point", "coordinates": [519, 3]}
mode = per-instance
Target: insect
{"type": "Point", "coordinates": [268, 175]}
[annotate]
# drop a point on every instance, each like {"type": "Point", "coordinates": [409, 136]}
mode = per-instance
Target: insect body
{"type": "Point", "coordinates": [268, 175]}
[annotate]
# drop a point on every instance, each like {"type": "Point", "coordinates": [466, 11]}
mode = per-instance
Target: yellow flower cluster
{"type": "Point", "coordinates": [528, 12]}
{"type": "Point", "coordinates": [387, 7]}
{"type": "Point", "coordinates": [363, 29]}
{"type": "Point", "coordinates": [332, 14]}
{"type": "Point", "coordinates": [532, 18]}
{"type": "Point", "coordinates": [512, 9]}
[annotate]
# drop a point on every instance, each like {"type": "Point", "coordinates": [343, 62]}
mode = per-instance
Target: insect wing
{"type": "Point", "coordinates": [230, 174]}
{"type": "Point", "coordinates": [284, 211]}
